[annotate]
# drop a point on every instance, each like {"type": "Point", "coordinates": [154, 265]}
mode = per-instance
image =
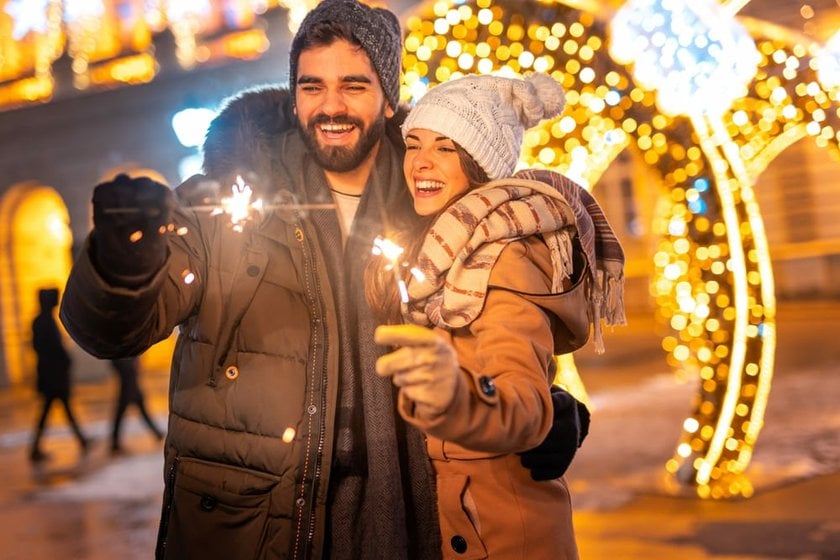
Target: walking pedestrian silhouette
{"type": "Point", "coordinates": [129, 393]}
{"type": "Point", "coordinates": [53, 371]}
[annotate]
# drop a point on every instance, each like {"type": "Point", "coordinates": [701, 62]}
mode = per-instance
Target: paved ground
{"type": "Point", "coordinates": [103, 507]}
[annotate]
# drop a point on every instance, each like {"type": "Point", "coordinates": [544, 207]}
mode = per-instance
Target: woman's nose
{"type": "Point", "coordinates": [422, 160]}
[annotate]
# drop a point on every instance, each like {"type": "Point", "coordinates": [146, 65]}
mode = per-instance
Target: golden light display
{"type": "Point", "coordinates": [713, 283]}
{"type": "Point", "coordinates": [110, 43]}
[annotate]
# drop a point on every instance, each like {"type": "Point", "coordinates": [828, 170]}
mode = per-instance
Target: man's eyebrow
{"type": "Point", "coordinates": [357, 78]}
{"type": "Point", "coordinates": [309, 80]}
{"type": "Point", "coordinates": [350, 79]}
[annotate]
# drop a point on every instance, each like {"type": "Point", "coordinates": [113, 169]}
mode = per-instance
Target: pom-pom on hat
{"type": "Point", "coordinates": [488, 115]}
{"type": "Point", "coordinates": [377, 30]}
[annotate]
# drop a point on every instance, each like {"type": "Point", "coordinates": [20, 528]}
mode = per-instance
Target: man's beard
{"type": "Point", "coordinates": [340, 159]}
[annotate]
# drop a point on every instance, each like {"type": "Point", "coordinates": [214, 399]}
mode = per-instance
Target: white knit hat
{"type": "Point", "coordinates": [488, 115]}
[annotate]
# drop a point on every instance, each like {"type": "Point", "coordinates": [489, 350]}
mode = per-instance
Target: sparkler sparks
{"type": "Point", "coordinates": [239, 205]}
{"type": "Point", "coordinates": [392, 252]}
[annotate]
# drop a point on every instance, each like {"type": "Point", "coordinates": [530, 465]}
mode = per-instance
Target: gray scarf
{"type": "Point", "coordinates": [382, 496]}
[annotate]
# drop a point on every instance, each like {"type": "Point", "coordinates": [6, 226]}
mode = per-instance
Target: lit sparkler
{"type": "Point", "coordinates": [392, 253]}
{"type": "Point", "coordinates": [239, 205]}
{"type": "Point", "coordinates": [242, 209]}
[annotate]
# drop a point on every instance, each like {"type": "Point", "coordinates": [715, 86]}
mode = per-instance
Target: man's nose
{"type": "Point", "coordinates": [333, 103]}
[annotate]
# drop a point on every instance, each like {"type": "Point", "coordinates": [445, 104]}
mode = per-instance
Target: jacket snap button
{"type": "Point", "coordinates": [208, 503]}
{"type": "Point", "coordinates": [459, 544]}
{"type": "Point", "coordinates": [300, 502]}
{"type": "Point", "coordinates": [487, 385]}
{"type": "Point", "coordinates": [311, 409]}
{"type": "Point", "coordinates": [299, 234]}
{"type": "Point", "coordinates": [252, 270]}
{"type": "Point", "coordinates": [232, 372]}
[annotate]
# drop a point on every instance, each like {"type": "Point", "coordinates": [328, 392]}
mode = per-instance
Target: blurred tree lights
{"type": "Point", "coordinates": [713, 284]}
{"type": "Point", "coordinates": [827, 63]}
{"type": "Point", "coordinates": [111, 42]}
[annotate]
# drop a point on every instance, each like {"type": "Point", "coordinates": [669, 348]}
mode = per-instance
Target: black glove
{"type": "Point", "coordinates": [551, 458]}
{"type": "Point", "coordinates": [130, 219]}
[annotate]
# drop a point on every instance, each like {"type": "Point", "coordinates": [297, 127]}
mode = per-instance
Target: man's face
{"type": "Point", "coordinates": [340, 105]}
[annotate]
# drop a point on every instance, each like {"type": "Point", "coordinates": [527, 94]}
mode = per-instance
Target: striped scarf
{"type": "Point", "coordinates": [465, 241]}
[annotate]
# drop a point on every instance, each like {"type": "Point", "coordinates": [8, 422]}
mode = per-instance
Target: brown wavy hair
{"type": "Point", "coordinates": [380, 285]}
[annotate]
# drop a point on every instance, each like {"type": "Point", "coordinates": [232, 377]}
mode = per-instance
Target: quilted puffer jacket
{"type": "Point", "coordinates": [254, 376]}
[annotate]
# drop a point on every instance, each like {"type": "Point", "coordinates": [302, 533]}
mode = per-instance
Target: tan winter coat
{"type": "Point", "coordinates": [489, 506]}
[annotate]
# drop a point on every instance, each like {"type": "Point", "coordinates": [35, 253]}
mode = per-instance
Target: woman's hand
{"type": "Point", "coordinates": [425, 367]}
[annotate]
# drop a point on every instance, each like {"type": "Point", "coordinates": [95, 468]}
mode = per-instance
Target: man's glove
{"type": "Point", "coordinates": [130, 219]}
{"type": "Point", "coordinates": [552, 457]}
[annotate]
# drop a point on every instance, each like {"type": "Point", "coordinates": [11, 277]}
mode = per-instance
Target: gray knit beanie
{"type": "Point", "coordinates": [377, 30]}
{"type": "Point", "coordinates": [488, 115]}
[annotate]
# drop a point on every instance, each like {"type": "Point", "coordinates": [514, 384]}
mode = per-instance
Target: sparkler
{"type": "Point", "coordinates": [392, 252]}
{"type": "Point", "coordinates": [238, 206]}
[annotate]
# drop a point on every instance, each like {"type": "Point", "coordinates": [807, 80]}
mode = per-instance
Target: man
{"type": "Point", "coordinates": [281, 442]}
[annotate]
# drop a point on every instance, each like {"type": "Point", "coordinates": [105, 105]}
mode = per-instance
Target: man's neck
{"type": "Point", "coordinates": [353, 182]}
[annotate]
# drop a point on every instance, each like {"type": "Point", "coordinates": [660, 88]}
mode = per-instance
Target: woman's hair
{"type": "Point", "coordinates": [476, 176]}
{"type": "Point", "coordinates": [380, 285]}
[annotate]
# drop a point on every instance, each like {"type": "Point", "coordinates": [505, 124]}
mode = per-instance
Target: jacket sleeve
{"type": "Point", "coordinates": [503, 402]}
{"type": "Point", "coordinates": [109, 321]}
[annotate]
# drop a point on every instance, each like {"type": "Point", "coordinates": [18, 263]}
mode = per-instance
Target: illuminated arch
{"type": "Point", "coordinates": [35, 252]}
{"type": "Point", "coordinates": [713, 284]}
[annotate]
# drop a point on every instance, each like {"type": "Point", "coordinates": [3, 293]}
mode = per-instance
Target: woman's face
{"type": "Point", "coordinates": [432, 171]}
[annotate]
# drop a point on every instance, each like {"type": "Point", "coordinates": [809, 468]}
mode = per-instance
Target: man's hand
{"type": "Point", "coordinates": [552, 457]}
{"type": "Point", "coordinates": [425, 367]}
{"type": "Point", "coordinates": [130, 218]}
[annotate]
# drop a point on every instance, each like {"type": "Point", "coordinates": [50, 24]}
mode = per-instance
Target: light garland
{"type": "Point", "coordinates": [109, 47]}
{"type": "Point", "coordinates": [827, 63]}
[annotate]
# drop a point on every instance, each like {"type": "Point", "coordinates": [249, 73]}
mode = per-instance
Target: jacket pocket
{"type": "Point", "coordinates": [459, 521]}
{"type": "Point", "coordinates": [224, 512]}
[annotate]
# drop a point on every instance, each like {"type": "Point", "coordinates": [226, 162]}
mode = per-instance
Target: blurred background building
{"type": "Point", "coordinates": [708, 130]}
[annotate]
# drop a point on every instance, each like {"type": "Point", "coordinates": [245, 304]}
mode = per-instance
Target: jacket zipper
{"type": "Point", "coordinates": [306, 509]}
{"type": "Point", "coordinates": [164, 518]}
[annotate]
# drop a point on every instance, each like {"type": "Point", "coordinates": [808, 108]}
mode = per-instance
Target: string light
{"type": "Point", "coordinates": [827, 63]}
{"type": "Point", "coordinates": [110, 46]}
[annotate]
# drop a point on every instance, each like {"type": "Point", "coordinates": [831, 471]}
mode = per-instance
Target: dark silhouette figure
{"type": "Point", "coordinates": [53, 369]}
{"type": "Point", "coordinates": [130, 393]}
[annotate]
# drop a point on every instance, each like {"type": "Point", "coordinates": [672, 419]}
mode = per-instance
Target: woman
{"type": "Point", "coordinates": [505, 287]}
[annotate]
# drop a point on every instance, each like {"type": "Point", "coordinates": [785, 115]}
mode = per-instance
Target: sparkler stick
{"type": "Point", "coordinates": [150, 212]}
{"type": "Point", "coordinates": [392, 252]}
{"type": "Point", "coordinates": [238, 206]}
{"type": "Point", "coordinates": [209, 208]}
